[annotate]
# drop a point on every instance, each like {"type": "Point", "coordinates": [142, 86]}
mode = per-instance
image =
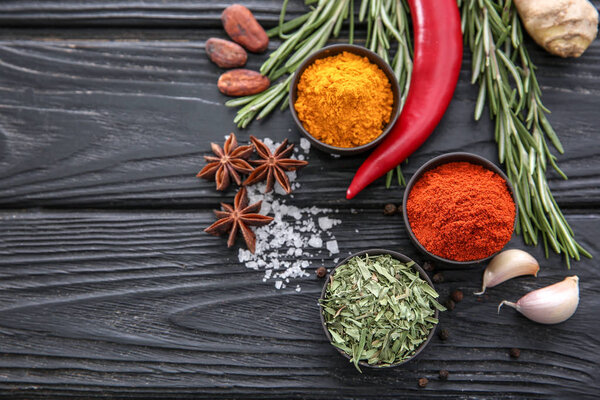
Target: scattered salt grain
{"type": "Point", "coordinates": [332, 246]}
{"type": "Point", "coordinates": [298, 288]}
{"type": "Point", "coordinates": [315, 242]}
{"type": "Point", "coordinates": [278, 284]}
{"type": "Point", "coordinates": [326, 223]}
{"type": "Point", "coordinates": [304, 144]}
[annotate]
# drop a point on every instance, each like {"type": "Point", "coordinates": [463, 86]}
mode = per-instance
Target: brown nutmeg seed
{"type": "Point", "coordinates": [242, 82]}
{"type": "Point", "coordinates": [225, 54]}
{"type": "Point", "coordinates": [243, 28]}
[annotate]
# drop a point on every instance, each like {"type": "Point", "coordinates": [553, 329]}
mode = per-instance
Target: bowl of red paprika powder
{"type": "Point", "coordinates": [345, 99]}
{"type": "Point", "coordinates": [460, 208]}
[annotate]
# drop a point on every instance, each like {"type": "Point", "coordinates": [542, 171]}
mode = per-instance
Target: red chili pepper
{"type": "Point", "coordinates": [437, 60]}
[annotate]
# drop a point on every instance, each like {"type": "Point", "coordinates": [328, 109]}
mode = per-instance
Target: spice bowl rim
{"type": "Point", "coordinates": [333, 50]}
{"type": "Point", "coordinates": [446, 158]}
{"type": "Point", "coordinates": [398, 256]}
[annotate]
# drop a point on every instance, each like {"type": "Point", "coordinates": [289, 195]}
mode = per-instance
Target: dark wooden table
{"type": "Point", "coordinates": [109, 287]}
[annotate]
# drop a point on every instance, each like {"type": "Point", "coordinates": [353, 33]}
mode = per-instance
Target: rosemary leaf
{"type": "Point", "coordinates": [521, 126]}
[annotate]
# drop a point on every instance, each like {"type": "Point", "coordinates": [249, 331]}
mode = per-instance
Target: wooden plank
{"type": "Point", "coordinates": [154, 13]}
{"type": "Point", "coordinates": [125, 123]}
{"type": "Point", "coordinates": [143, 304]}
{"type": "Point", "coordinates": [173, 13]}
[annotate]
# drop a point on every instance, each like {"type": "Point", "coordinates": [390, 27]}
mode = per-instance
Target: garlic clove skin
{"type": "Point", "coordinates": [550, 305]}
{"type": "Point", "coordinates": [507, 265]}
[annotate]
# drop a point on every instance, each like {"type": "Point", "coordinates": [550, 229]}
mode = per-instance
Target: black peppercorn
{"type": "Point", "coordinates": [444, 375]}
{"type": "Point", "coordinates": [444, 334]}
{"type": "Point", "coordinates": [428, 266]}
{"type": "Point", "coordinates": [423, 382]}
{"type": "Point", "coordinates": [321, 272]}
{"type": "Point", "coordinates": [457, 295]}
{"type": "Point", "coordinates": [450, 304]}
{"type": "Point", "coordinates": [438, 278]}
{"type": "Point", "coordinates": [390, 209]}
{"type": "Point", "coordinates": [515, 353]}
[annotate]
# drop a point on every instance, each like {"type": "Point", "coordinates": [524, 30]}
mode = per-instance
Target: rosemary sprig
{"type": "Point", "coordinates": [506, 76]}
{"type": "Point", "coordinates": [387, 20]}
{"type": "Point", "coordinates": [314, 29]}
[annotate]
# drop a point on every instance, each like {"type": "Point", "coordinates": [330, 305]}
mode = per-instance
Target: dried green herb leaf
{"type": "Point", "coordinates": [378, 309]}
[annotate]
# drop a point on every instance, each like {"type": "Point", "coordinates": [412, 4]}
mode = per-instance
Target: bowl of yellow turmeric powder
{"type": "Point", "coordinates": [345, 99]}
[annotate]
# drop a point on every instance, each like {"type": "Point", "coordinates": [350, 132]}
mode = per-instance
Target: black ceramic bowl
{"type": "Point", "coordinates": [332, 51]}
{"type": "Point", "coordinates": [444, 159]}
{"type": "Point", "coordinates": [397, 256]}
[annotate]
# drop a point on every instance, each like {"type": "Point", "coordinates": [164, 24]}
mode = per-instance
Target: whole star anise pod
{"type": "Point", "coordinates": [273, 165]}
{"type": "Point", "coordinates": [230, 162]}
{"type": "Point", "coordinates": [240, 216]}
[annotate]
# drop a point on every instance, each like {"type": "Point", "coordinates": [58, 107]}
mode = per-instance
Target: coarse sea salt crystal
{"type": "Point", "coordinates": [278, 284]}
{"type": "Point", "coordinates": [304, 144]}
{"type": "Point", "coordinates": [315, 241]}
{"type": "Point", "coordinates": [252, 265]}
{"type": "Point", "coordinates": [332, 246]}
{"type": "Point", "coordinates": [326, 223]}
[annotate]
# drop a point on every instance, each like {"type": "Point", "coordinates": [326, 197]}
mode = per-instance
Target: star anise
{"type": "Point", "coordinates": [240, 216]}
{"type": "Point", "coordinates": [230, 162]}
{"type": "Point", "coordinates": [273, 165]}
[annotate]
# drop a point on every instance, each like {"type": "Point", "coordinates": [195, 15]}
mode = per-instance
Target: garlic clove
{"type": "Point", "coordinates": [550, 305]}
{"type": "Point", "coordinates": [507, 265]}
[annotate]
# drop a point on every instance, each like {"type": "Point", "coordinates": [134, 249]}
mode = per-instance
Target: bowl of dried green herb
{"type": "Point", "coordinates": [378, 308]}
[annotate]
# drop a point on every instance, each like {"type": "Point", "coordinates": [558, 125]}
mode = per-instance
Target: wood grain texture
{"type": "Point", "coordinates": [126, 123]}
{"type": "Point", "coordinates": [142, 304]}
{"type": "Point", "coordinates": [109, 287]}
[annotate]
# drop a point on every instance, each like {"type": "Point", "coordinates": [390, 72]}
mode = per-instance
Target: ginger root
{"type": "Point", "coordinates": [562, 27]}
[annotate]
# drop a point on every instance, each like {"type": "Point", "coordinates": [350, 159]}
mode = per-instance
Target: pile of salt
{"type": "Point", "coordinates": [285, 247]}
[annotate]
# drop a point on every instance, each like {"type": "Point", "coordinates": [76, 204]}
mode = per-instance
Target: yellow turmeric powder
{"type": "Point", "coordinates": [344, 100]}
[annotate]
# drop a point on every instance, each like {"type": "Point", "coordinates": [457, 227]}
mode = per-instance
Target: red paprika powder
{"type": "Point", "coordinates": [461, 211]}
